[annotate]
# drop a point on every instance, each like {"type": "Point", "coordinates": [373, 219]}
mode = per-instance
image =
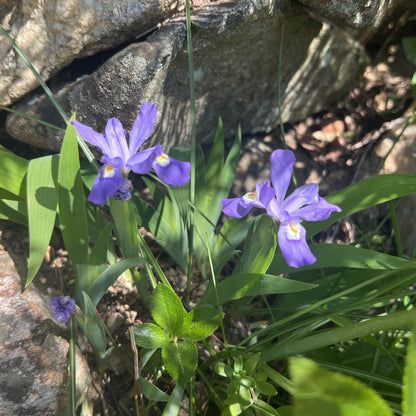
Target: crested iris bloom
{"type": "Point", "coordinates": [119, 158]}
{"type": "Point", "coordinates": [303, 203]}
{"type": "Point", "coordinates": [62, 306]}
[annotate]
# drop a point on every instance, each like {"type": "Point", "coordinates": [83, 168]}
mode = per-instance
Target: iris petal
{"type": "Point", "coordinates": [295, 251]}
{"type": "Point", "coordinates": [319, 211]}
{"type": "Point", "coordinates": [281, 165]}
{"type": "Point", "coordinates": [304, 195]}
{"type": "Point", "coordinates": [116, 138]}
{"type": "Point", "coordinates": [142, 162]}
{"type": "Point", "coordinates": [105, 187]}
{"type": "Point", "coordinates": [91, 136]}
{"type": "Point", "coordinates": [175, 173]}
{"type": "Point", "coordinates": [236, 207]}
{"type": "Point", "coordinates": [142, 127]}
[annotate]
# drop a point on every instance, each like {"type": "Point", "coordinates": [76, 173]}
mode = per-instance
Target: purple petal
{"type": "Point", "coordinates": [318, 211]}
{"type": "Point", "coordinates": [305, 195]}
{"type": "Point", "coordinates": [116, 139]}
{"type": "Point", "coordinates": [274, 210]}
{"type": "Point", "coordinates": [91, 136]}
{"type": "Point", "coordinates": [142, 127]}
{"type": "Point", "coordinates": [62, 306]}
{"type": "Point", "coordinates": [142, 162]}
{"type": "Point", "coordinates": [293, 245]}
{"type": "Point", "coordinates": [236, 207]}
{"type": "Point", "coordinates": [171, 171]}
{"type": "Point", "coordinates": [281, 165]}
{"type": "Point", "coordinates": [265, 193]}
{"type": "Point", "coordinates": [106, 184]}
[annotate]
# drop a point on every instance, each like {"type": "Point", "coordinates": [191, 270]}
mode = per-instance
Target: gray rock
{"type": "Point", "coordinates": [357, 14]}
{"type": "Point", "coordinates": [33, 355]}
{"type": "Point", "coordinates": [53, 33]}
{"type": "Point", "coordinates": [236, 59]}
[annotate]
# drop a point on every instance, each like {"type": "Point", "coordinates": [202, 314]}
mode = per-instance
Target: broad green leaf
{"type": "Point", "coordinates": [42, 200]}
{"type": "Point", "coordinates": [93, 326]}
{"type": "Point", "coordinates": [339, 255]}
{"type": "Point", "coordinates": [409, 379]}
{"type": "Point", "coordinates": [180, 359]}
{"type": "Point", "coordinates": [234, 409]}
{"type": "Point", "coordinates": [72, 210]}
{"type": "Point", "coordinates": [362, 195]}
{"type": "Point", "coordinates": [253, 284]}
{"type": "Point", "coordinates": [98, 258]}
{"type": "Point", "coordinates": [224, 370]}
{"type": "Point", "coordinates": [13, 210]}
{"type": "Point", "coordinates": [126, 227]}
{"type": "Point", "coordinates": [152, 392]}
{"type": "Point", "coordinates": [150, 336]}
{"type": "Point", "coordinates": [109, 276]}
{"type": "Point", "coordinates": [264, 409]}
{"type": "Point", "coordinates": [265, 388]}
{"type": "Point", "coordinates": [12, 175]}
{"type": "Point", "coordinates": [409, 46]}
{"type": "Point", "coordinates": [260, 246]}
{"type": "Point", "coordinates": [167, 309]}
{"type": "Point", "coordinates": [320, 392]}
{"type": "Point", "coordinates": [200, 323]}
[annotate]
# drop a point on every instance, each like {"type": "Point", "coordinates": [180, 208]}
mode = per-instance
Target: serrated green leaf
{"type": "Point", "coordinates": [180, 359]}
{"type": "Point", "coordinates": [320, 392]}
{"type": "Point", "coordinates": [150, 336]}
{"type": "Point", "coordinates": [93, 326]}
{"type": "Point", "coordinates": [109, 276]}
{"type": "Point", "coordinates": [260, 246]}
{"type": "Point", "coordinates": [253, 284]}
{"type": "Point", "coordinates": [200, 323]}
{"type": "Point", "coordinates": [167, 309]}
{"type": "Point", "coordinates": [409, 379]}
{"type": "Point", "coordinates": [42, 200]}
{"type": "Point", "coordinates": [72, 210]}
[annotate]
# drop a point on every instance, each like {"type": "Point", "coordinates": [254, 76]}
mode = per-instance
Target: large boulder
{"type": "Point", "coordinates": [237, 46]}
{"type": "Point", "coordinates": [33, 350]}
{"type": "Point", "coordinates": [52, 33]}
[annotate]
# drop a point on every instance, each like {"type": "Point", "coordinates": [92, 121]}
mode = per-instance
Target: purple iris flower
{"type": "Point", "coordinates": [62, 306]}
{"type": "Point", "coordinates": [303, 203]}
{"type": "Point", "coordinates": [119, 158]}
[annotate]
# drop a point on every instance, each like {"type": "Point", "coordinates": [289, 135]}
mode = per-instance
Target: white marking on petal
{"type": "Point", "coordinates": [250, 197]}
{"type": "Point", "coordinates": [293, 231]}
{"type": "Point", "coordinates": [163, 160]}
{"type": "Point", "coordinates": [108, 171]}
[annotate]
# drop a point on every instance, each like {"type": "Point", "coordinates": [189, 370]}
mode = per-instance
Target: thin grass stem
{"type": "Point", "coordinates": [72, 369]}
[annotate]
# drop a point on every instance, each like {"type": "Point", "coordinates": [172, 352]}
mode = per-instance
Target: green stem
{"type": "Point", "coordinates": [334, 336]}
{"type": "Point", "coordinates": [193, 149]}
{"type": "Point", "coordinates": [72, 369]}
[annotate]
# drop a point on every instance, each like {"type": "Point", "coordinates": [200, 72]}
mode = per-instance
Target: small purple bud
{"type": "Point", "coordinates": [62, 306]}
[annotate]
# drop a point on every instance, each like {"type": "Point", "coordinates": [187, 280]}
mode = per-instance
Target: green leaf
{"type": "Point", "coordinates": [265, 388]}
{"type": "Point", "coordinates": [174, 403]}
{"type": "Point", "coordinates": [126, 227]}
{"type": "Point", "coordinates": [264, 409]}
{"type": "Point", "coordinates": [234, 409]}
{"type": "Point", "coordinates": [109, 276]}
{"type": "Point", "coordinates": [362, 195]}
{"type": "Point", "coordinates": [12, 175]}
{"type": "Point", "coordinates": [152, 392]}
{"type": "Point", "coordinates": [320, 392]}
{"type": "Point", "coordinates": [93, 326]}
{"type": "Point", "coordinates": [180, 359]}
{"type": "Point", "coordinates": [260, 246]}
{"type": "Point", "coordinates": [200, 323]}
{"type": "Point", "coordinates": [224, 370]}
{"type": "Point", "coordinates": [13, 210]}
{"type": "Point", "coordinates": [42, 200]}
{"type": "Point", "coordinates": [167, 309]}
{"type": "Point", "coordinates": [339, 255]}
{"type": "Point", "coordinates": [409, 47]}
{"type": "Point", "coordinates": [253, 284]}
{"type": "Point", "coordinates": [98, 258]}
{"type": "Point", "coordinates": [72, 210]}
{"type": "Point", "coordinates": [150, 336]}
{"type": "Point", "coordinates": [409, 379]}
